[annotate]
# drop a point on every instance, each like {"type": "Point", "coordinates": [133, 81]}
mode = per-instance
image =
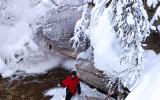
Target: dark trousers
{"type": "Point", "coordinates": [68, 95]}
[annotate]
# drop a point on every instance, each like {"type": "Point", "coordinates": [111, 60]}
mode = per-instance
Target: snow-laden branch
{"type": "Point", "coordinates": [96, 12]}
{"type": "Point", "coordinates": [155, 17]}
{"type": "Point", "coordinates": [80, 40]}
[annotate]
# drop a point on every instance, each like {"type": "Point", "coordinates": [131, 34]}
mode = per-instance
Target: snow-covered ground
{"type": "Point", "coordinates": [87, 93]}
{"type": "Point", "coordinates": [148, 87]}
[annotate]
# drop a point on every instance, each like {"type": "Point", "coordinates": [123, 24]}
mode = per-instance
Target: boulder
{"type": "Point", "coordinates": [90, 75]}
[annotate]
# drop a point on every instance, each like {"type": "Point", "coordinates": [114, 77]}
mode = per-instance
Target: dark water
{"type": "Point", "coordinates": [22, 86]}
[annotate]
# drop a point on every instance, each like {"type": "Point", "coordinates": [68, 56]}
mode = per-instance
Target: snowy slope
{"type": "Point", "coordinates": [148, 88]}
{"type": "Point", "coordinates": [59, 93]}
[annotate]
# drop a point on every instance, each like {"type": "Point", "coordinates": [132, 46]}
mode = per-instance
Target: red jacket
{"type": "Point", "coordinates": [71, 84]}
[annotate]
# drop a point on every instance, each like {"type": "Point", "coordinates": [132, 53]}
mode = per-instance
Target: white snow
{"type": "Point", "coordinates": [37, 65]}
{"type": "Point", "coordinates": [148, 88]}
{"type": "Point", "coordinates": [130, 19]}
{"type": "Point", "coordinates": [153, 28]}
{"type": "Point", "coordinates": [158, 27]}
{"type": "Point", "coordinates": [156, 15]}
{"type": "Point", "coordinates": [69, 64]}
{"type": "Point", "coordinates": [87, 55]}
{"type": "Point", "coordinates": [59, 93]}
{"type": "Point", "coordinates": [152, 3]}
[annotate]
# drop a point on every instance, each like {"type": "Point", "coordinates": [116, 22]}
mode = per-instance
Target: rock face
{"type": "Point", "coordinates": [90, 75]}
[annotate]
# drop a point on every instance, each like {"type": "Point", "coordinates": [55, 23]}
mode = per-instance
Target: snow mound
{"type": "Point", "coordinates": [59, 93]}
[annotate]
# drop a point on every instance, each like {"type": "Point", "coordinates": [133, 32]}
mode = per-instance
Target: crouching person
{"type": "Point", "coordinates": [72, 85]}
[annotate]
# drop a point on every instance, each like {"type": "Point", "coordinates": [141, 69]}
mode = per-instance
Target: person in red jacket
{"type": "Point", "coordinates": [72, 84]}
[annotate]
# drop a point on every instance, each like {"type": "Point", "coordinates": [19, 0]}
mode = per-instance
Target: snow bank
{"type": "Point", "coordinates": [148, 88]}
{"type": "Point", "coordinates": [59, 93]}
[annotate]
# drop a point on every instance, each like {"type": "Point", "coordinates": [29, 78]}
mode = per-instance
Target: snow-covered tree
{"type": "Point", "coordinates": [153, 10]}
{"type": "Point", "coordinates": [6, 17]}
{"type": "Point", "coordinates": [131, 26]}
{"type": "Point", "coordinates": [80, 41]}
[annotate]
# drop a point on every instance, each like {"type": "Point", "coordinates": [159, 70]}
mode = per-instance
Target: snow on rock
{"type": "Point", "coordinates": [86, 55]}
{"type": "Point", "coordinates": [148, 88]}
{"type": "Point", "coordinates": [87, 93]}
{"type": "Point", "coordinates": [69, 64]}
